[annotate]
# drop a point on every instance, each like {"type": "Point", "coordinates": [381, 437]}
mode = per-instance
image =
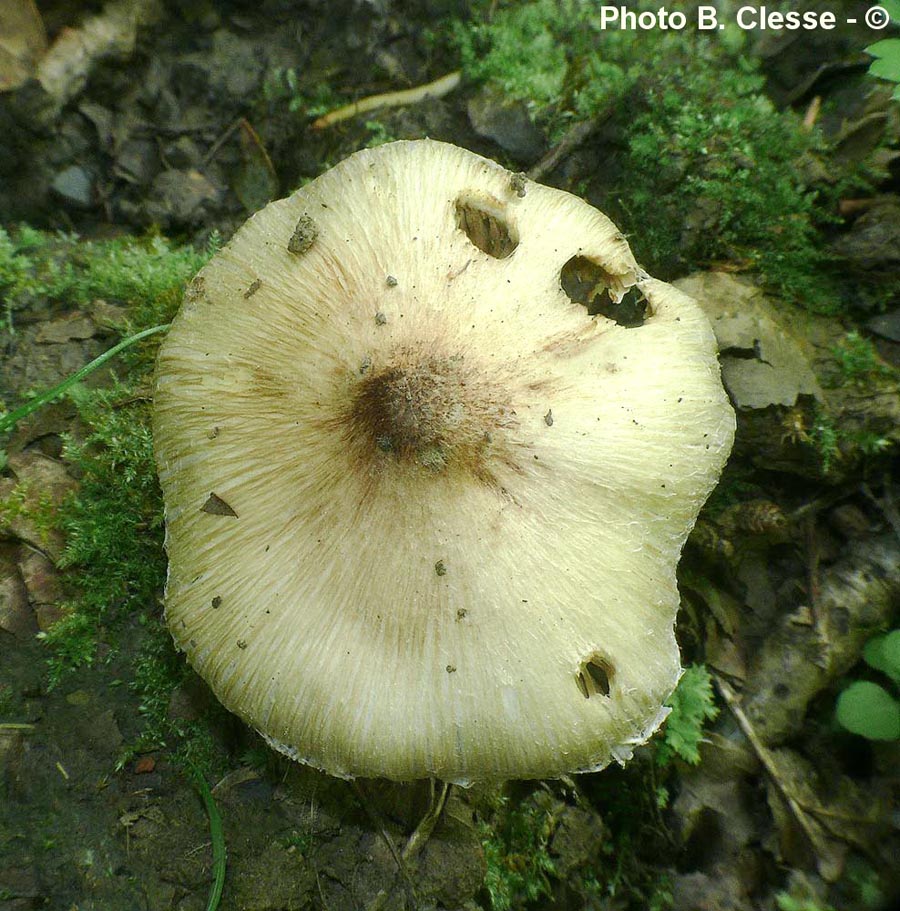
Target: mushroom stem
{"type": "Point", "coordinates": [438, 793]}
{"type": "Point", "coordinates": [378, 822]}
{"type": "Point", "coordinates": [577, 135]}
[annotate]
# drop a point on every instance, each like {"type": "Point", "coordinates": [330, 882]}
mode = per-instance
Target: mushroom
{"type": "Point", "coordinates": [424, 503]}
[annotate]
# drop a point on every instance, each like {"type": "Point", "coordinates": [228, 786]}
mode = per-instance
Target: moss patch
{"type": "Point", "coordinates": [113, 524]}
{"type": "Point", "coordinates": [706, 171]}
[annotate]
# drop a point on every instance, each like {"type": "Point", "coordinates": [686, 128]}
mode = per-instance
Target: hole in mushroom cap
{"type": "Point", "coordinates": [484, 221]}
{"type": "Point", "coordinates": [594, 676]}
{"type": "Point", "coordinates": [589, 284]}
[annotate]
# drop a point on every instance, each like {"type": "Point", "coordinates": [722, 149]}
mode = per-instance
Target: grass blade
{"type": "Point", "coordinates": [9, 421]}
{"type": "Point", "coordinates": [217, 836]}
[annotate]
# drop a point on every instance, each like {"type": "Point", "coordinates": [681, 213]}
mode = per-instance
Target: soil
{"type": "Point", "coordinates": [171, 127]}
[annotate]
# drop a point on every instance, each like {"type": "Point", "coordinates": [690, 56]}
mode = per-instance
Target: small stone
{"type": "Point", "coordinates": [887, 325]}
{"type": "Point", "coordinates": [873, 242]}
{"type": "Point", "coordinates": [48, 615]}
{"type": "Point", "coordinates": [16, 617]}
{"type": "Point", "coordinates": [507, 123]}
{"type": "Point", "coordinates": [98, 731]}
{"type": "Point", "coordinates": [850, 521]}
{"type": "Point", "coordinates": [181, 197]}
{"type": "Point", "coordinates": [71, 326]}
{"type": "Point", "coordinates": [106, 315]}
{"type": "Point", "coordinates": [75, 187]}
{"type": "Point", "coordinates": [43, 483]}
{"type": "Point", "coordinates": [144, 765]}
{"type": "Point", "coordinates": [189, 701]}
{"type": "Point", "coordinates": [183, 153]}
{"type": "Point", "coordinates": [137, 161]}
{"type": "Point", "coordinates": [41, 577]}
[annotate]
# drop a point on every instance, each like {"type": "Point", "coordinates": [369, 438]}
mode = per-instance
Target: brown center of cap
{"type": "Point", "coordinates": [431, 412]}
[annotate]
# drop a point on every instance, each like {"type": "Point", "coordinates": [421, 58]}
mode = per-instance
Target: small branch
{"type": "Point", "coordinates": [576, 135]}
{"type": "Point", "coordinates": [436, 89]}
{"type": "Point", "coordinates": [229, 131]}
{"type": "Point", "coordinates": [822, 850]}
{"type": "Point", "coordinates": [887, 505]}
{"type": "Point", "coordinates": [812, 113]}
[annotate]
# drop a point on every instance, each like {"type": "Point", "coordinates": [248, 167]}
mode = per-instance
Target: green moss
{"type": "Point", "coordinates": [553, 56]}
{"type": "Point", "coordinates": [824, 438]}
{"type": "Point", "coordinates": [857, 360]}
{"type": "Point", "coordinates": [285, 86]}
{"type": "Point", "coordinates": [38, 507]}
{"type": "Point", "coordinates": [519, 50]}
{"type": "Point", "coordinates": [145, 273]}
{"type": "Point", "coordinates": [519, 865]}
{"type": "Point", "coordinates": [713, 172]}
{"type": "Point", "coordinates": [631, 872]}
{"type": "Point", "coordinates": [113, 523]}
{"type": "Point", "coordinates": [707, 170]}
{"type": "Point", "coordinates": [25, 273]}
{"type": "Point", "coordinates": [158, 671]}
{"type": "Point", "coordinates": [379, 134]}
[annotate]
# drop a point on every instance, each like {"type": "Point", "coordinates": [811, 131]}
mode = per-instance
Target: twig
{"type": "Point", "coordinates": [813, 558]}
{"type": "Point", "coordinates": [823, 852]}
{"type": "Point", "coordinates": [228, 132]}
{"type": "Point", "coordinates": [812, 113]}
{"type": "Point", "coordinates": [436, 89]}
{"type": "Point", "coordinates": [887, 505]}
{"type": "Point", "coordinates": [576, 136]}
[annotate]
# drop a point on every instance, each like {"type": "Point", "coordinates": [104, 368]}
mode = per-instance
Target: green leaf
{"type": "Point", "coordinates": [867, 709]}
{"type": "Point", "coordinates": [893, 8]}
{"type": "Point", "coordinates": [886, 68]}
{"type": "Point", "coordinates": [883, 653]}
{"type": "Point", "coordinates": [887, 47]}
{"type": "Point", "coordinates": [692, 705]}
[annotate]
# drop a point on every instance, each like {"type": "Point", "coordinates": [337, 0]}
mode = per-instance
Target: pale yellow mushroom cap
{"type": "Point", "coordinates": [423, 510]}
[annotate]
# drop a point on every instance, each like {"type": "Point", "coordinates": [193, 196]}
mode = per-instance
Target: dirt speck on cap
{"type": "Point", "coordinates": [304, 236]}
